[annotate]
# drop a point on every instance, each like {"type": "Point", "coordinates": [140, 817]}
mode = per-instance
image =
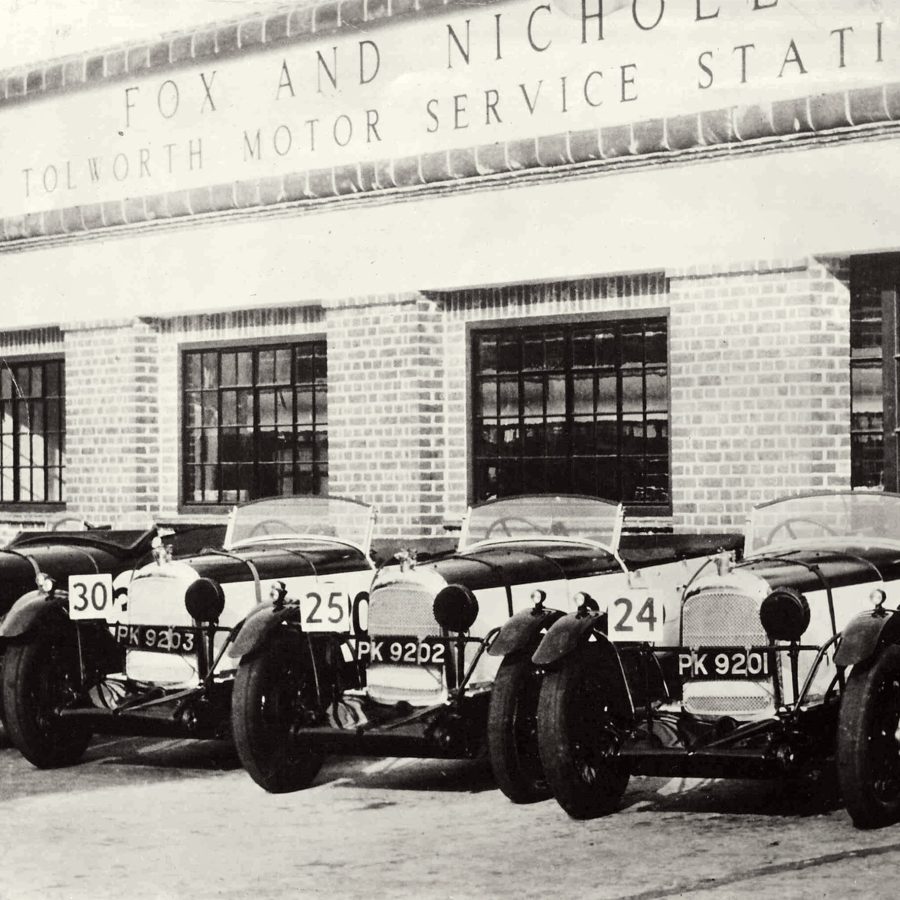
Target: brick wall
{"type": "Point", "coordinates": [386, 410]}
{"type": "Point", "coordinates": [112, 411]}
{"type": "Point", "coordinates": [759, 379]}
{"type": "Point", "coordinates": [760, 383]}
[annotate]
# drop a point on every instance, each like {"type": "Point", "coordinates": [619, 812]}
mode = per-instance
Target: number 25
{"type": "Point", "coordinates": [335, 608]}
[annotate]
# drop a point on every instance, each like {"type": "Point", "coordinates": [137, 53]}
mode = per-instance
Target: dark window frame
{"type": "Point", "coordinates": [41, 505]}
{"type": "Point", "coordinates": [254, 347]}
{"type": "Point", "coordinates": [569, 324]}
{"type": "Point", "coordinates": [875, 277]}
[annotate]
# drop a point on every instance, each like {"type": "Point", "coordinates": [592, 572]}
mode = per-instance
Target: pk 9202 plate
{"type": "Point", "coordinates": [403, 650]}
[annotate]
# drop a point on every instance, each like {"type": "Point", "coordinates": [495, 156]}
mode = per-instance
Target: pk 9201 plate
{"type": "Point", "coordinates": [713, 663]}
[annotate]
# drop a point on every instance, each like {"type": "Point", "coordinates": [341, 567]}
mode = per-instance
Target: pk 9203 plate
{"type": "Point", "coordinates": [157, 638]}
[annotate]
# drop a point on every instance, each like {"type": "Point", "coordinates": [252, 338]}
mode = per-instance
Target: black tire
{"type": "Point", "coordinates": [576, 739]}
{"type": "Point", "coordinates": [266, 702]}
{"type": "Point", "coordinates": [868, 750]}
{"type": "Point", "coordinates": [512, 731]}
{"type": "Point", "coordinates": [40, 677]}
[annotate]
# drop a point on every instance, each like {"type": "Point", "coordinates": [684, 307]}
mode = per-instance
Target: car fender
{"type": "Point", "coordinates": [565, 635]}
{"type": "Point", "coordinates": [522, 629]}
{"type": "Point", "coordinates": [258, 625]}
{"type": "Point", "coordinates": [32, 610]}
{"type": "Point", "coordinates": [865, 634]}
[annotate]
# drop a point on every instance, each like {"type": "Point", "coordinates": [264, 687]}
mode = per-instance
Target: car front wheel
{"type": "Point", "coordinates": [270, 694]}
{"type": "Point", "coordinates": [577, 738]}
{"type": "Point", "coordinates": [40, 678]}
{"type": "Point", "coordinates": [868, 747]}
{"type": "Point", "coordinates": [512, 731]}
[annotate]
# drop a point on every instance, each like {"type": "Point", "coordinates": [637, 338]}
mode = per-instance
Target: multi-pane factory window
{"type": "Point", "coordinates": [573, 408]}
{"type": "Point", "coordinates": [869, 278]}
{"type": "Point", "coordinates": [32, 431]}
{"type": "Point", "coordinates": [255, 422]}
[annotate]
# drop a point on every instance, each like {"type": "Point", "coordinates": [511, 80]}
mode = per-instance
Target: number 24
{"type": "Point", "coordinates": [646, 614]}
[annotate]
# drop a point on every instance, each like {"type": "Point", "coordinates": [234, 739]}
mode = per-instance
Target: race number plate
{"type": "Point", "coordinates": [403, 651]}
{"type": "Point", "coordinates": [93, 597]}
{"type": "Point", "coordinates": [635, 618]}
{"type": "Point", "coordinates": [157, 638]}
{"type": "Point", "coordinates": [714, 663]}
{"type": "Point", "coordinates": [328, 609]}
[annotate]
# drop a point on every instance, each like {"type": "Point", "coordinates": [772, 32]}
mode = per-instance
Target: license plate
{"type": "Point", "coordinates": [403, 651]}
{"type": "Point", "coordinates": [714, 663]}
{"type": "Point", "coordinates": [157, 638]}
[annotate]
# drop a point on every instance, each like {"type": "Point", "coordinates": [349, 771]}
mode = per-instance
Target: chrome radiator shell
{"type": "Point", "coordinates": [402, 606]}
{"type": "Point", "coordinates": [724, 612]}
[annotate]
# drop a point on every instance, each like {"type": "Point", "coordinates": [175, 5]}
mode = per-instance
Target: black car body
{"type": "Point", "coordinates": [61, 555]}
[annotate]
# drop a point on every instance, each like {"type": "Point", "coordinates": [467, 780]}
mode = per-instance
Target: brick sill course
{"type": "Point", "coordinates": [860, 114]}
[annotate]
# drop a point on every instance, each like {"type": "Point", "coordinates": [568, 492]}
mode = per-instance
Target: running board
{"type": "Point", "coordinates": [704, 763]}
{"type": "Point", "coordinates": [108, 721]}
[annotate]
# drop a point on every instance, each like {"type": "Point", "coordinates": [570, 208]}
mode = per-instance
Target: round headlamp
{"type": "Point", "coordinates": [785, 614]}
{"type": "Point", "coordinates": [45, 583]}
{"type": "Point", "coordinates": [877, 597]}
{"type": "Point", "coordinates": [585, 603]}
{"type": "Point", "coordinates": [204, 600]}
{"type": "Point", "coordinates": [455, 608]}
{"type": "Point", "coordinates": [277, 591]}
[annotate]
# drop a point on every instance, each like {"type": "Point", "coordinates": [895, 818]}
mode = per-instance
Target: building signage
{"type": "Point", "coordinates": [471, 76]}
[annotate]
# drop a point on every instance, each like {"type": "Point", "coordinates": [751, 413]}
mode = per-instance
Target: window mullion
{"type": "Point", "coordinates": [569, 401]}
{"type": "Point", "coordinates": [14, 406]}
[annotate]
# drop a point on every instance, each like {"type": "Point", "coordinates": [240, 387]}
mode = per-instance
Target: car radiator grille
{"type": "Point", "coordinates": [404, 610]}
{"type": "Point", "coordinates": [722, 618]}
{"type": "Point", "coordinates": [400, 609]}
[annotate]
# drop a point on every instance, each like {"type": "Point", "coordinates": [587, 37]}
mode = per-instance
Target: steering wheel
{"type": "Point", "coordinates": [788, 526]}
{"type": "Point", "coordinates": [271, 526]}
{"type": "Point", "coordinates": [505, 522]}
{"type": "Point", "coordinates": [70, 523]}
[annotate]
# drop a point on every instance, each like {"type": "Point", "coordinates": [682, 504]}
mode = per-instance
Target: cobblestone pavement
{"type": "Point", "coordinates": [173, 819]}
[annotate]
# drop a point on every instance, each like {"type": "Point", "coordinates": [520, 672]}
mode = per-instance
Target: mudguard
{"type": "Point", "coordinates": [522, 629]}
{"type": "Point", "coordinates": [564, 636]}
{"type": "Point", "coordinates": [865, 634]}
{"type": "Point", "coordinates": [32, 610]}
{"type": "Point", "coordinates": [258, 625]}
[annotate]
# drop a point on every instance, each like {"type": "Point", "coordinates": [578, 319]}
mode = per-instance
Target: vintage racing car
{"type": "Point", "coordinates": [155, 663]}
{"type": "Point", "coordinates": [762, 668]}
{"type": "Point", "coordinates": [73, 554]}
{"type": "Point", "coordinates": [412, 677]}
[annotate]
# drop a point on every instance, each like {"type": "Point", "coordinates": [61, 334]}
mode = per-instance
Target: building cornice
{"type": "Point", "coordinates": [284, 25]}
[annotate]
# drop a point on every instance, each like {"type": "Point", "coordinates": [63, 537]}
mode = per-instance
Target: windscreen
{"type": "Point", "coordinates": [536, 517]}
{"type": "Point", "coordinates": [311, 517]}
{"type": "Point", "coordinates": [864, 517]}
